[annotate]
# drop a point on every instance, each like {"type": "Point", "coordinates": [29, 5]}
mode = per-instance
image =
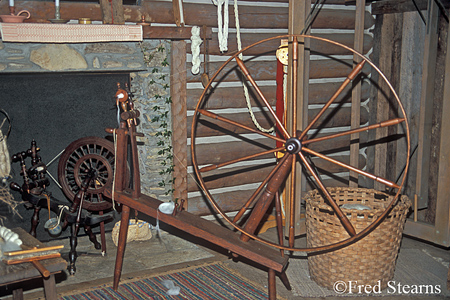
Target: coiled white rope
{"type": "Point", "coordinates": [222, 24]}
{"type": "Point", "coordinates": [246, 94]}
{"type": "Point", "coordinates": [5, 161]}
{"type": "Point", "coordinates": [196, 41]}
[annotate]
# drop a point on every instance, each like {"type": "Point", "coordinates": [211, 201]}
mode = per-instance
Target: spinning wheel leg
{"type": "Point", "coordinates": [92, 237]}
{"type": "Point", "coordinates": [73, 248]}
{"type": "Point", "coordinates": [35, 221]}
{"type": "Point", "coordinates": [102, 234]}
{"type": "Point", "coordinates": [124, 221]}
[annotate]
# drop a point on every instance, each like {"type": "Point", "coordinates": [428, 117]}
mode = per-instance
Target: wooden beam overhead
{"type": "Point", "coordinates": [172, 33]}
{"type": "Point", "coordinates": [194, 14]}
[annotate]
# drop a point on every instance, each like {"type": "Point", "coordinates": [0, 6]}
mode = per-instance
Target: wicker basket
{"type": "Point", "coordinates": [138, 230]}
{"type": "Point", "coordinates": [369, 261]}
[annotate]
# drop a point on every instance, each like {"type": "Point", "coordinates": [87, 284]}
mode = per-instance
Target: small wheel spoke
{"type": "Point", "coordinates": [217, 117]}
{"type": "Point", "coordinates": [361, 172]}
{"type": "Point", "coordinates": [347, 80]}
{"type": "Point", "coordinates": [259, 189]}
{"type": "Point", "coordinates": [216, 166]}
{"type": "Point", "coordinates": [343, 218]}
{"type": "Point", "coordinates": [280, 125]}
{"type": "Point", "coordinates": [356, 130]}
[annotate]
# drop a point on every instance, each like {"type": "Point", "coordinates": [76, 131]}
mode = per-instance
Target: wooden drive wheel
{"type": "Point", "coordinates": [80, 157]}
{"type": "Point", "coordinates": [292, 148]}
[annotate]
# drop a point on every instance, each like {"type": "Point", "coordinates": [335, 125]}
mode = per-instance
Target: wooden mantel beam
{"type": "Point", "coordinates": [194, 14]}
{"type": "Point", "coordinates": [41, 12]}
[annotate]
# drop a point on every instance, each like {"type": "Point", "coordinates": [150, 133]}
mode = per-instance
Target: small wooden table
{"type": "Point", "coordinates": [10, 274]}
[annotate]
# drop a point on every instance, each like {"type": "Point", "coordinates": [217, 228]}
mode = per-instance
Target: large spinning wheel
{"type": "Point", "coordinates": [88, 154]}
{"type": "Point", "coordinates": [293, 148]}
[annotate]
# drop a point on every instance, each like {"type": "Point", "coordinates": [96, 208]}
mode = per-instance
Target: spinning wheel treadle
{"type": "Point", "coordinates": [88, 154]}
{"type": "Point", "coordinates": [296, 150]}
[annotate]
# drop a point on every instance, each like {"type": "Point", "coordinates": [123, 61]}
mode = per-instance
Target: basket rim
{"type": "Point", "coordinates": [403, 202]}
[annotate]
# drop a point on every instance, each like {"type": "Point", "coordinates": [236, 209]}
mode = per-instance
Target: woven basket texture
{"type": "Point", "coordinates": [137, 231]}
{"type": "Point", "coordinates": [367, 261]}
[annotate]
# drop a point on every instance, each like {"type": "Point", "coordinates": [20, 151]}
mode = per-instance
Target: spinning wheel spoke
{"type": "Point", "coordinates": [361, 172]}
{"type": "Point", "coordinates": [216, 166]}
{"type": "Point", "coordinates": [344, 220]}
{"type": "Point", "coordinates": [347, 80]}
{"type": "Point", "coordinates": [280, 125]}
{"type": "Point", "coordinates": [220, 118]}
{"type": "Point", "coordinates": [356, 130]}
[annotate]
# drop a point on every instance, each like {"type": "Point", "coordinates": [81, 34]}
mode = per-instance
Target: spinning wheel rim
{"type": "Point", "coordinates": [332, 246]}
{"type": "Point", "coordinates": [70, 164]}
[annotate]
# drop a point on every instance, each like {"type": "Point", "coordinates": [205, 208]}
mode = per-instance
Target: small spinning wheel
{"type": "Point", "coordinates": [88, 154]}
{"type": "Point", "coordinates": [293, 148]}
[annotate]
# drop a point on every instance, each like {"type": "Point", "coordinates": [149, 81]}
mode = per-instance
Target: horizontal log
{"type": "Point", "coordinates": [335, 181]}
{"type": "Point", "coordinates": [331, 118]}
{"type": "Point", "coordinates": [398, 6]}
{"type": "Point", "coordinates": [228, 97]}
{"type": "Point", "coordinates": [319, 93]}
{"type": "Point", "coordinates": [228, 202]}
{"type": "Point", "coordinates": [266, 70]}
{"type": "Point", "coordinates": [210, 127]}
{"type": "Point", "coordinates": [194, 14]}
{"type": "Point", "coordinates": [230, 177]}
{"type": "Point", "coordinates": [335, 2]}
{"type": "Point", "coordinates": [172, 33]}
{"type": "Point", "coordinates": [232, 201]}
{"type": "Point", "coordinates": [215, 153]}
{"type": "Point", "coordinates": [269, 47]}
{"type": "Point", "coordinates": [334, 145]}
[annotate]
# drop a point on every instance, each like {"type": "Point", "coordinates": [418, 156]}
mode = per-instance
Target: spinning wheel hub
{"type": "Point", "coordinates": [293, 145]}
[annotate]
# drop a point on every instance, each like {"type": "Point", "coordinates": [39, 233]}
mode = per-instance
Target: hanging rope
{"type": "Point", "coordinates": [222, 24]}
{"type": "Point", "coordinates": [246, 94]}
{"type": "Point", "coordinates": [196, 41]}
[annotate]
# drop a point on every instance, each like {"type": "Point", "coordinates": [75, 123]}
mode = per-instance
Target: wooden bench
{"type": "Point", "coordinates": [10, 274]}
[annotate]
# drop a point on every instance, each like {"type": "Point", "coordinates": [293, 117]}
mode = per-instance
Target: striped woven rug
{"type": "Point", "coordinates": [207, 282]}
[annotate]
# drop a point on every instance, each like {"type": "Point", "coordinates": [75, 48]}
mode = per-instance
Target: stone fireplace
{"type": "Point", "coordinates": [58, 93]}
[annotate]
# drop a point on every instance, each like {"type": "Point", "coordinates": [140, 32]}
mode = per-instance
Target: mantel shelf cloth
{"type": "Point", "coordinates": [69, 33]}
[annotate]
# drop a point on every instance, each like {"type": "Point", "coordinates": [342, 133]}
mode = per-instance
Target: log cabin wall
{"type": "Point", "coordinates": [258, 20]}
{"type": "Point", "coordinates": [412, 46]}
{"type": "Point", "coordinates": [329, 67]}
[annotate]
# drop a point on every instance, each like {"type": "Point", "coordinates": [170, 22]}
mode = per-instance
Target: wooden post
{"type": "Point", "coordinates": [179, 119]}
{"type": "Point", "coordinates": [426, 104]}
{"type": "Point", "coordinates": [356, 91]}
{"type": "Point", "coordinates": [298, 10]}
{"type": "Point", "coordinates": [178, 13]}
{"type": "Point", "coordinates": [112, 12]}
